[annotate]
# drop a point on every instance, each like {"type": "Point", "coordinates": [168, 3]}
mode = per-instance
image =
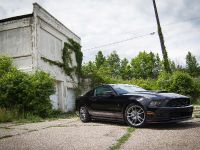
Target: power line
{"type": "Point", "coordinates": [118, 42]}
{"type": "Point", "coordinates": [167, 24]}
{"type": "Point", "coordinates": [186, 20]}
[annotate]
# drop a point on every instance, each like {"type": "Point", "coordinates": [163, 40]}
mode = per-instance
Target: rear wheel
{"type": "Point", "coordinates": [83, 114]}
{"type": "Point", "coordinates": [135, 115]}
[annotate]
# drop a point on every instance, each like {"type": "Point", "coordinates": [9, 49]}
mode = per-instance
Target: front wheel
{"type": "Point", "coordinates": [135, 115]}
{"type": "Point", "coordinates": [83, 114]}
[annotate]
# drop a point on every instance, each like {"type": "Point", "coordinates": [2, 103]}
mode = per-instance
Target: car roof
{"type": "Point", "coordinates": [124, 84]}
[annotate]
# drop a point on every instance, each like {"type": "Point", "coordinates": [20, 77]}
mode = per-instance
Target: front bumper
{"type": "Point", "coordinates": [169, 114]}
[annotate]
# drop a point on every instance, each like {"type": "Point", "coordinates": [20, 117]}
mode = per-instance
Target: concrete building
{"type": "Point", "coordinates": [29, 37]}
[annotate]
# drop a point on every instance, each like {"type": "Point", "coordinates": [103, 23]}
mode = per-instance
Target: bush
{"type": "Point", "coordinates": [13, 89]}
{"type": "Point", "coordinates": [197, 87]}
{"type": "Point", "coordinates": [164, 81]}
{"type": "Point", "coordinates": [148, 84]}
{"type": "Point", "coordinates": [183, 83]}
{"type": "Point", "coordinates": [5, 65]}
{"type": "Point", "coordinates": [42, 87]}
{"type": "Point", "coordinates": [28, 118]}
{"type": "Point", "coordinates": [179, 82]}
{"type": "Point", "coordinates": [25, 92]}
{"type": "Point", "coordinates": [8, 115]}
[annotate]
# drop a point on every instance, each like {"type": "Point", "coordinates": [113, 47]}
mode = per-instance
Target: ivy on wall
{"type": "Point", "coordinates": [69, 47]}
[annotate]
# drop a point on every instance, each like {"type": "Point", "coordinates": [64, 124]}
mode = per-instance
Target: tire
{"type": "Point", "coordinates": [83, 114]}
{"type": "Point", "coordinates": [135, 115]}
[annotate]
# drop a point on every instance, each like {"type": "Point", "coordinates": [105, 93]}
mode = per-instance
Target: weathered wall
{"type": "Point", "coordinates": [15, 41]}
{"type": "Point", "coordinates": [50, 38]}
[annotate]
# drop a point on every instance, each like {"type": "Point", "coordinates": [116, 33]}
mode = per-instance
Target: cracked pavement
{"type": "Point", "coordinates": [71, 134]}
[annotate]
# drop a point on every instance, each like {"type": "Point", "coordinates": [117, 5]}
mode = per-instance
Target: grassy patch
{"type": "Point", "coordinates": [122, 139]}
{"type": "Point", "coordinates": [7, 115]}
{"type": "Point", "coordinates": [56, 114]}
{"type": "Point", "coordinates": [13, 116]}
{"type": "Point", "coordinates": [29, 118]}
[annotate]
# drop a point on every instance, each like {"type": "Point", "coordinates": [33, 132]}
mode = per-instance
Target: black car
{"type": "Point", "coordinates": [133, 104]}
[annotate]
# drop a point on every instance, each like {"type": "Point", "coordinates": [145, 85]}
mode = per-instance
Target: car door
{"type": "Point", "coordinates": [104, 102]}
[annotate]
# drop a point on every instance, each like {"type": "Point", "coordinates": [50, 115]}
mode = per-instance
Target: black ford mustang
{"type": "Point", "coordinates": [135, 105]}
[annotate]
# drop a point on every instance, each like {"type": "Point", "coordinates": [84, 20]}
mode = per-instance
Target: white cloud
{"type": "Point", "coordinates": [99, 22]}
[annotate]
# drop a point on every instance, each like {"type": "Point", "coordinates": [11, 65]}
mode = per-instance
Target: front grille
{"type": "Point", "coordinates": [180, 114]}
{"type": "Point", "coordinates": [179, 102]}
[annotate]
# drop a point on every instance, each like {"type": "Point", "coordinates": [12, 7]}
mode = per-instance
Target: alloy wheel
{"type": "Point", "coordinates": [135, 115]}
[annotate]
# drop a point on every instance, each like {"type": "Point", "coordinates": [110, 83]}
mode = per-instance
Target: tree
{"type": "Point", "coordinates": [192, 65]}
{"type": "Point", "coordinates": [145, 65]}
{"type": "Point", "coordinates": [89, 69]}
{"type": "Point", "coordinates": [113, 61]}
{"type": "Point", "coordinates": [125, 70]}
{"type": "Point", "coordinates": [158, 66]}
{"type": "Point", "coordinates": [100, 59]}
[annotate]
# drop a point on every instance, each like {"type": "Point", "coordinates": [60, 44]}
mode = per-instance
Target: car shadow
{"type": "Point", "coordinates": [173, 126]}
{"type": "Point", "coordinates": [109, 122]}
{"type": "Point", "coordinates": [156, 126]}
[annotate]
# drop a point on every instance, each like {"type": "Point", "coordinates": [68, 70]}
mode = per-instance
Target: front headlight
{"type": "Point", "coordinates": [155, 103]}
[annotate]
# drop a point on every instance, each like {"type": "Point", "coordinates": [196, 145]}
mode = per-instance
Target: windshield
{"type": "Point", "coordinates": [126, 88]}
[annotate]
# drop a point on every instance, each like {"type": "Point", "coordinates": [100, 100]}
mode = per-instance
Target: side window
{"type": "Point", "coordinates": [90, 93]}
{"type": "Point", "coordinates": [103, 90]}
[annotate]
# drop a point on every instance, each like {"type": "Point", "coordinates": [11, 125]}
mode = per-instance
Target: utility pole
{"type": "Point", "coordinates": [164, 52]}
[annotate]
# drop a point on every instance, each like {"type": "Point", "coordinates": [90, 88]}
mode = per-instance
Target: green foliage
{"type": "Point", "coordinates": [97, 75]}
{"type": "Point", "coordinates": [55, 114]}
{"type": "Point", "coordinates": [192, 65]}
{"type": "Point", "coordinates": [125, 70]}
{"type": "Point", "coordinates": [8, 115]}
{"type": "Point", "coordinates": [182, 83]}
{"type": "Point", "coordinates": [5, 65]}
{"type": "Point", "coordinates": [122, 139]}
{"type": "Point", "coordinates": [100, 59]}
{"type": "Point", "coordinates": [145, 65]}
{"type": "Point", "coordinates": [148, 84]}
{"type": "Point", "coordinates": [42, 86]}
{"type": "Point", "coordinates": [25, 92]}
{"type": "Point", "coordinates": [113, 62]}
{"type": "Point", "coordinates": [57, 63]}
{"type": "Point", "coordinates": [145, 71]}
{"type": "Point", "coordinates": [28, 118]}
{"type": "Point", "coordinates": [69, 47]}
{"type": "Point", "coordinates": [197, 85]}
{"type": "Point", "coordinates": [164, 81]}
{"type": "Point", "coordinates": [179, 82]}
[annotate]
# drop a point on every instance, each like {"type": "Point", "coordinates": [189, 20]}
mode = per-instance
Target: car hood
{"type": "Point", "coordinates": [157, 95]}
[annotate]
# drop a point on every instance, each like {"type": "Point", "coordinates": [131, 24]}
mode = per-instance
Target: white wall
{"type": "Point", "coordinates": [16, 41]}
{"type": "Point", "coordinates": [50, 38]}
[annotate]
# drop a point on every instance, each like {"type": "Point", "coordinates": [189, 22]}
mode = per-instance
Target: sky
{"type": "Point", "coordinates": [124, 26]}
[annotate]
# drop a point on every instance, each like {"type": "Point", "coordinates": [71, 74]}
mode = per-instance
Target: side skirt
{"type": "Point", "coordinates": [105, 114]}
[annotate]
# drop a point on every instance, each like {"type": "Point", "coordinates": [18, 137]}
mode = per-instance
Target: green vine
{"type": "Point", "coordinates": [69, 47]}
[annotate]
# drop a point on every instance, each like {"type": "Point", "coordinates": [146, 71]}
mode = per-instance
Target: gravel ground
{"type": "Point", "coordinates": [65, 134]}
{"type": "Point", "coordinates": [71, 134]}
{"type": "Point", "coordinates": [180, 136]}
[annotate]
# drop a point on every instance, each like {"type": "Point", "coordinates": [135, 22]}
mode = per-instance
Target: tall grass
{"type": "Point", "coordinates": [8, 115]}
{"type": "Point", "coordinates": [13, 115]}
